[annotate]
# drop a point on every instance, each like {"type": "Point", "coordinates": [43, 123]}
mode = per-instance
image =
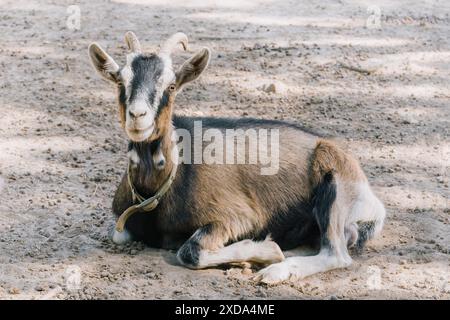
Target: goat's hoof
{"type": "Point", "coordinates": [273, 274]}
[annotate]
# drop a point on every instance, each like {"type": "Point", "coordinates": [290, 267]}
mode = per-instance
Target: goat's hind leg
{"type": "Point", "coordinates": [205, 249]}
{"type": "Point", "coordinates": [330, 212]}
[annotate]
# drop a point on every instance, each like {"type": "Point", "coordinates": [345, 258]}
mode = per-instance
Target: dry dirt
{"type": "Point", "coordinates": [62, 150]}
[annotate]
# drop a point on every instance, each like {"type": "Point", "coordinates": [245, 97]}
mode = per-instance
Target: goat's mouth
{"type": "Point", "coordinates": [138, 135]}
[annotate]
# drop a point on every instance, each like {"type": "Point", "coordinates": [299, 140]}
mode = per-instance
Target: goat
{"type": "Point", "coordinates": [217, 214]}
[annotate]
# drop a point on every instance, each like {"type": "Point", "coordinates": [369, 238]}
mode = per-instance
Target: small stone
{"type": "Point", "coordinates": [261, 293]}
{"type": "Point", "coordinates": [14, 290]}
{"type": "Point", "coordinates": [247, 271]}
{"type": "Point", "coordinates": [271, 88]}
{"type": "Point", "coordinates": [228, 272]}
{"type": "Point", "coordinates": [104, 274]}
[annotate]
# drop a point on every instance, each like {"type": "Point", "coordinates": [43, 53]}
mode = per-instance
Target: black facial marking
{"type": "Point", "coordinates": [146, 72]}
{"type": "Point", "coordinates": [163, 103]}
{"type": "Point", "coordinates": [122, 97]}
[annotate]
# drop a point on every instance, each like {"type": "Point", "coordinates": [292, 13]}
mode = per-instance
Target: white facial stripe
{"type": "Point", "coordinates": [141, 97]}
{"type": "Point", "coordinates": [130, 58]}
{"type": "Point", "coordinates": [139, 104]}
{"type": "Point", "coordinates": [166, 77]}
{"type": "Point", "coordinates": [126, 75]}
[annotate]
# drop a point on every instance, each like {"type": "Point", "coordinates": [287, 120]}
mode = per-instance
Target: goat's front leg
{"type": "Point", "coordinates": [205, 248]}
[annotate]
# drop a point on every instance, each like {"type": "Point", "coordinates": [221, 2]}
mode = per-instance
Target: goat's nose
{"type": "Point", "coordinates": [137, 114]}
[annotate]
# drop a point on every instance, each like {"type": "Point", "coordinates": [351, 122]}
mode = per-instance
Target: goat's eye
{"type": "Point", "coordinates": [172, 87]}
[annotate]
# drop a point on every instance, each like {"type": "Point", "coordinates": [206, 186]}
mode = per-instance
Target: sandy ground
{"type": "Point", "coordinates": [62, 150]}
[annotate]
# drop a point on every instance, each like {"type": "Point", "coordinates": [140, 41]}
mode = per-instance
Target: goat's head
{"type": "Point", "coordinates": [147, 84]}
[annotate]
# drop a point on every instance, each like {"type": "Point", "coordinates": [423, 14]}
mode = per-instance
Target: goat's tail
{"type": "Point", "coordinates": [368, 213]}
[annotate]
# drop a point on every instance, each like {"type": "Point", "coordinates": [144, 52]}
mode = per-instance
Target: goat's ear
{"type": "Point", "coordinates": [103, 63]}
{"type": "Point", "coordinates": [193, 67]}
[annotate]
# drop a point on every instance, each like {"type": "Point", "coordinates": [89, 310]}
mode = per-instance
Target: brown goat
{"type": "Point", "coordinates": [318, 195]}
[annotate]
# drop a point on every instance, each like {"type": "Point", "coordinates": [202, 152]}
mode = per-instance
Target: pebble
{"type": "Point", "coordinates": [271, 88]}
{"type": "Point", "coordinates": [104, 274]}
{"type": "Point", "coordinates": [247, 271]}
{"type": "Point", "coordinates": [261, 293]}
{"type": "Point", "coordinates": [14, 290]}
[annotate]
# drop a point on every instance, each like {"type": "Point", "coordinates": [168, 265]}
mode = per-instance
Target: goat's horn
{"type": "Point", "coordinates": [132, 42]}
{"type": "Point", "coordinates": [170, 44]}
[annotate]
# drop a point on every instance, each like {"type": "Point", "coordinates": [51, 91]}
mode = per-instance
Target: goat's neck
{"type": "Point", "coordinates": [152, 162]}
